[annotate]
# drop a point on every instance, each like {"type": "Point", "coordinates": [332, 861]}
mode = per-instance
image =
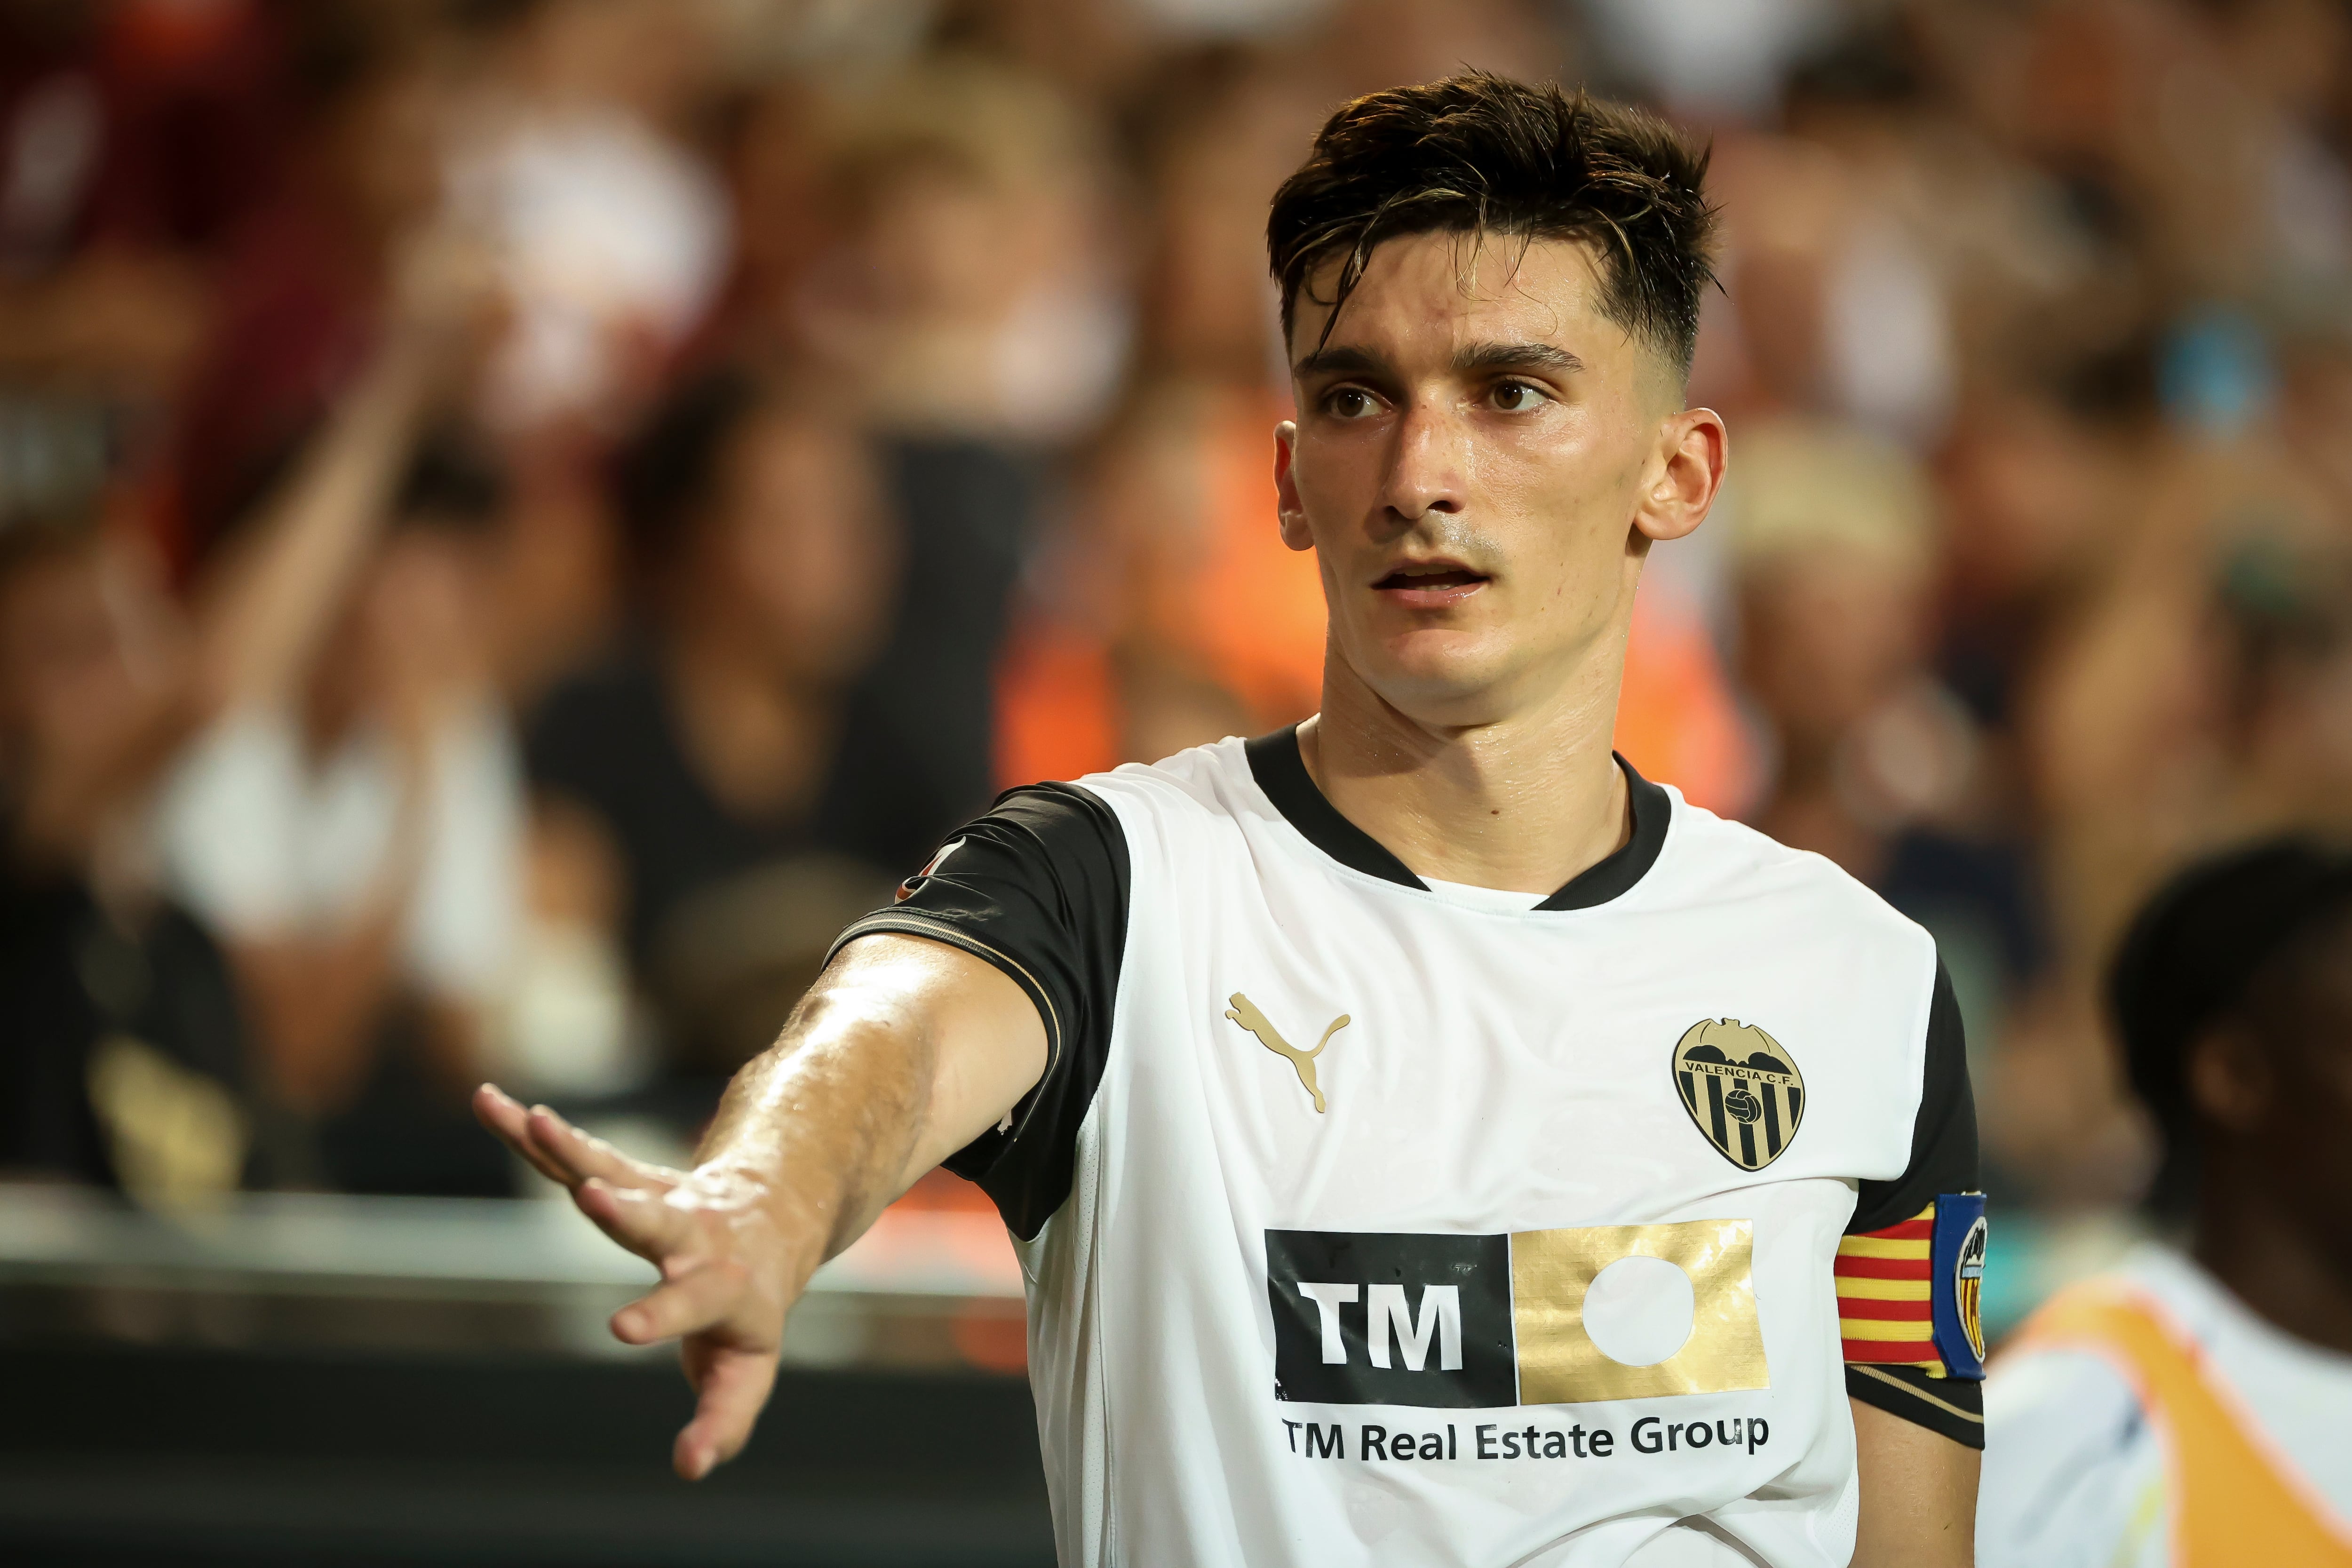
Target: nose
{"type": "Point", "coordinates": [1425, 466]}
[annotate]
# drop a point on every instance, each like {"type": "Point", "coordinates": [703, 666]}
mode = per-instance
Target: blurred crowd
{"type": "Point", "coordinates": [520, 518]}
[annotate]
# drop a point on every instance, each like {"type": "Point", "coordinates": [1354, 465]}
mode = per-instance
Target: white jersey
{"type": "Point", "coordinates": [1363, 1225]}
{"type": "Point", "coordinates": [2076, 1477]}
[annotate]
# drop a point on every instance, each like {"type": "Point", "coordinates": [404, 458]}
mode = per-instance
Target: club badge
{"type": "Point", "coordinates": [1960, 1265]}
{"type": "Point", "coordinates": [1968, 1286]}
{"type": "Point", "coordinates": [1741, 1088]}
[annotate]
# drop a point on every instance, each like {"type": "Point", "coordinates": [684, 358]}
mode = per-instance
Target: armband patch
{"type": "Point", "coordinates": [1960, 1263]}
{"type": "Point", "coordinates": [1908, 1295]}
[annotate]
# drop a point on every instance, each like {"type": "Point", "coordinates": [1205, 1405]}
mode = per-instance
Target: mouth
{"type": "Point", "coordinates": [1431, 584]}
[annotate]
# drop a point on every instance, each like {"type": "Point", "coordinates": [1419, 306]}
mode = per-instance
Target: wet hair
{"type": "Point", "coordinates": [2223, 933]}
{"type": "Point", "coordinates": [1481, 155]}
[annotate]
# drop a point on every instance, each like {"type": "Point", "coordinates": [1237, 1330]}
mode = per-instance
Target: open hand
{"type": "Point", "coordinates": [727, 1275]}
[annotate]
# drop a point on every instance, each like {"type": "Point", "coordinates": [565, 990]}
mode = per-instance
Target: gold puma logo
{"type": "Point", "coordinates": [1244, 1012]}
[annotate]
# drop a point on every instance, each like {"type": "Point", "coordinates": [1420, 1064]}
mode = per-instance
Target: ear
{"type": "Point", "coordinates": [2230, 1079]}
{"type": "Point", "coordinates": [1684, 475]}
{"type": "Point", "coordinates": [1295, 532]}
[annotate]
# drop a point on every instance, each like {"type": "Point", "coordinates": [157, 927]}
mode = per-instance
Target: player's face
{"type": "Point", "coordinates": [1480, 461]}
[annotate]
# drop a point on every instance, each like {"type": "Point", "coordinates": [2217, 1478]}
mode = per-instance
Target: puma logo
{"type": "Point", "coordinates": [1244, 1012]}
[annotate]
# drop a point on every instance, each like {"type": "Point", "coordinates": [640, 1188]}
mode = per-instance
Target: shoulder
{"type": "Point", "coordinates": [1196, 789]}
{"type": "Point", "coordinates": [1762, 884]}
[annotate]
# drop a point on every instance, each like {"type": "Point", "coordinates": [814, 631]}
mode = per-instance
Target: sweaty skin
{"type": "Point", "coordinates": [1481, 461]}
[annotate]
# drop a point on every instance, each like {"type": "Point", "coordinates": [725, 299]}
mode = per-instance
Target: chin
{"type": "Point", "coordinates": [1438, 677]}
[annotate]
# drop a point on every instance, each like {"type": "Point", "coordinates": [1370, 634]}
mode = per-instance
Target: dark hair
{"type": "Point", "coordinates": [670, 471]}
{"type": "Point", "coordinates": [1480, 154]}
{"type": "Point", "coordinates": [454, 482]}
{"type": "Point", "coordinates": [2222, 930]}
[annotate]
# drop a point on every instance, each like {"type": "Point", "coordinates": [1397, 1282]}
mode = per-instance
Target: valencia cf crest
{"type": "Point", "coordinates": [1968, 1286]}
{"type": "Point", "coordinates": [1741, 1088]}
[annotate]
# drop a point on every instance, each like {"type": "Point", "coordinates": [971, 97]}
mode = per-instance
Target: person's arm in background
{"type": "Point", "coordinates": [258, 620]}
{"type": "Point", "coordinates": [1918, 1494]}
{"type": "Point", "coordinates": [266, 610]}
{"type": "Point", "coordinates": [904, 1051]}
{"type": "Point", "coordinates": [263, 622]}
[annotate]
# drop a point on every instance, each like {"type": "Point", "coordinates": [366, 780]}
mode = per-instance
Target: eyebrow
{"type": "Point", "coordinates": [1344, 360]}
{"type": "Point", "coordinates": [1516, 356]}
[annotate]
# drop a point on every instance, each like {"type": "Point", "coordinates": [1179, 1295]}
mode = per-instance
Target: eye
{"type": "Point", "coordinates": [1348, 402]}
{"type": "Point", "coordinates": [1518, 397]}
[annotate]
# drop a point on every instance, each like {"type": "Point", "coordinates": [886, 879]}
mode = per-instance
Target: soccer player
{"type": "Point", "coordinates": [2189, 1408]}
{"type": "Point", "coordinates": [1426, 1140]}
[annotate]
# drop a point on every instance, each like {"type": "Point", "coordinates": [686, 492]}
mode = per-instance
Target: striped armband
{"type": "Point", "coordinates": [1909, 1294]}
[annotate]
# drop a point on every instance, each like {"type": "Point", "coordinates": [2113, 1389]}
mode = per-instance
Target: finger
{"type": "Point", "coordinates": [637, 1219]}
{"type": "Point", "coordinates": [733, 1385]}
{"type": "Point", "coordinates": [582, 1156]}
{"type": "Point", "coordinates": [504, 1115]}
{"type": "Point", "coordinates": [697, 1300]}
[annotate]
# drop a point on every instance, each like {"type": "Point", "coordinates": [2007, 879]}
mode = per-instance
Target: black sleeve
{"type": "Point", "coordinates": [1943, 1160]}
{"type": "Point", "coordinates": [1948, 1407]}
{"type": "Point", "coordinates": [1943, 1135]}
{"type": "Point", "coordinates": [1037, 887]}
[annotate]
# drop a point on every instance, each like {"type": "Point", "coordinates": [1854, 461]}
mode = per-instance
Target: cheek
{"type": "Point", "coordinates": [1337, 473]}
{"type": "Point", "coordinates": [1567, 498]}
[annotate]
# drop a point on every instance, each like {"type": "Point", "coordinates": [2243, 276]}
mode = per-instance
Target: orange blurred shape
{"type": "Point", "coordinates": [1057, 705]}
{"type": "Point", "coordinates": [1676, 722]}
{"type": "Point", "coordinates": [1244, 603]}
{"type": "Point", "coordinates": [943, 1189]}
{"type": "Point", "coordinates": [990, 1340]}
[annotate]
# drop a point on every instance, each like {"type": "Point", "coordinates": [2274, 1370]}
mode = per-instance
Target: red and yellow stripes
{"type": "Point", "coordinates": [1885, 1292]}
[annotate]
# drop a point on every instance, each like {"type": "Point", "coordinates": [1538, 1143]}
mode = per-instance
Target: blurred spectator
{"type": "Point", "coordinates": [2183, 1408]}
{"type": "Point", "coordinates": [126, 1057]}
{"type": "Point", "coordinates": [350, 821]}
{"type": "Point", "coordinates": [975, 289]}
{"type": "Point", "coordinates": [132, 136]}
{"type": "Point", "coordinates": [611, 238]}
{"type": "Point", "coordinates": [939, 336]}
{"type": "Point", "coordinates": [1876, 765]}
{"type": "Point", "coordinates": [693, 787]}
{"type": "Point", "coordinates": [305, 280]}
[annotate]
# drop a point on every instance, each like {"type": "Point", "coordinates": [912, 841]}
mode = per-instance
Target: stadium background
{"type": "Point", "coordinates": [447, 445]}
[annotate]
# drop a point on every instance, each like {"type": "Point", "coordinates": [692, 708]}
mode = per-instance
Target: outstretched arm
{"type": "Point", "coordinates": [904, 1051]}
{"type": "Point", "coordinates": [1918, 1494]}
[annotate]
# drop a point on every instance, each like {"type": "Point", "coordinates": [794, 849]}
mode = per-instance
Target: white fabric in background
{"type": "Point", "coordinates": [262, 841]}
{"type": "Point", "coordinates": [2075, 1474]}
{"type": "Point", "coordinates": [603, 230]}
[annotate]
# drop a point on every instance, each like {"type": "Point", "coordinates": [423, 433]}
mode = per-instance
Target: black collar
{"type": "Point", "coordinates": [1282, 772]}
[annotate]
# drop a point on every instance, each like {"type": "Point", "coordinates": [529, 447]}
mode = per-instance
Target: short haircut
{"type": "Point", "coordinates": [2223, 931]}
{"type": "Point", "coordinates": [1479, 154]}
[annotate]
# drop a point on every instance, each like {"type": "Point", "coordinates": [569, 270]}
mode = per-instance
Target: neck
{"type": "Point", "coordinates": [2273, 1259]}
{"type": "Point", "coordinates": [1521, 805]}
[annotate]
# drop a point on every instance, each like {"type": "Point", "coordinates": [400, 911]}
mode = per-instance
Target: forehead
{"type": "Point", "coordinates": [1430, 292]}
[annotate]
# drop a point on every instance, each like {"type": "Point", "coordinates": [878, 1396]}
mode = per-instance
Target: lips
{"type": "Point", "coordinates": [1431, 584]}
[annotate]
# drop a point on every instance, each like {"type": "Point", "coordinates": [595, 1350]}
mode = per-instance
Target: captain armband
{"type": "Point", "coordinates": [1910, 1295]}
